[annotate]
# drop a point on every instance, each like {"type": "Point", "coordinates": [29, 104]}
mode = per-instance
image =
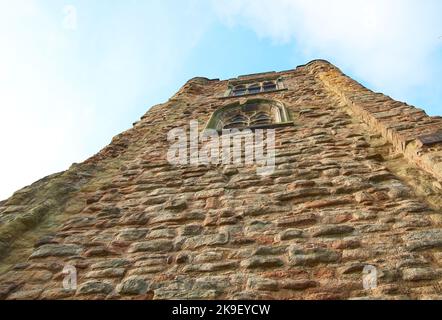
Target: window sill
{"type": "Point", "coordinates": [265, 126]}
{"type": "Point", "coordinates": [252, 94]}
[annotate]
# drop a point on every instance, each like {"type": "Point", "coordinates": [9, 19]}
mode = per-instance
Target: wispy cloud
{"type": "Point", "coordinates": [392, 45]}
{"type": "Point", "coordinates": [64, 92]}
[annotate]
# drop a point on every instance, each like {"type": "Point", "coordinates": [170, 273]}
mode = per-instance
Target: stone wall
{"type": "Point", "coordinates": [401, 124]}
{"type": "Point", "coordinates": [136, 227]}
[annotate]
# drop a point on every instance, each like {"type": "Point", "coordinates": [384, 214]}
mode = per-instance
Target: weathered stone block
{"type": "Point", "coordinates": [297, 284]}
{"type": "Point", "coordinates": [95, 287]}
{"type": "Point", "coordinates": [152, 246]}
{"type": "Point", "coordinates": [211, 267]}
{"type": "Point", "coordinates": [270, 250]}
{"type": "Point", "coordinates": [56, 250]}
{"type": "Point", "coordinates": [262, 284]}
{"type": "Point", "coordinates": [330, 230]}
{"type": "Point", "coordinates": [209, 256]}
{"type": "Point", "coordinates": [418, 274]}
{"type": "Point", "coordinates": [106, 273]}
{"type": "Point", "coordinates": [262, 263]}
{"type": "Point", "coordinates": [302, 193]}
{"type": "Point", "coordinates": [175, 204]}
{"type": "Point", "coordinates": [191, 230]}
{"type": "Point", "coordinates": [422, 240]}
{"type": "Point", "coordinates": [114, 263]}
{"type": "Point", "coordinates": [133, 286]}
{"type": "Point", "coordinates": [218, 283]}
{"type": "Point", "coordinates": [167, 233]}
{"type": "Point", "coordinates": [298, 220]}
{"type": "Point", "coordinates": [206, 240]}
{"type": "Point", "coordinates": [311, 256]}
{"type": "Point", "coordinates": [132, 234]}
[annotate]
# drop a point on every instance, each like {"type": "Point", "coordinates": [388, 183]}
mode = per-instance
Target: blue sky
{"type": "Point", "coordinates": [75, 73]}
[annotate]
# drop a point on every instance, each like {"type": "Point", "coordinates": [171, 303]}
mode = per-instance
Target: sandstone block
{"type": "Point", "coordinates": [262, 263]}
{"type": "Point", "coordinates": [330, 230]}
{"type": "Point", "coordinates": [114, 263]}
{"type": "Point", "coordinates": [311, 256]}
{"type": "Point", "coordinates": [422, 240]}
{"type": "Point", "coordinates": [95, 287]}
{"type": "Point", "coordinates": [211, 267]}
{"type": "Point", "coordinates": [205, 240]}
{"type": "Point", "coordinates": [133, 286]}
{"type": "Point", "coordinates": [297, 284]}
{"type": "Point", "coordinates": [106, 273]}
{"type": "Point", "coordinates": [290, 234]}
{"type": "Point", "coordinates": [262, 284]}
{"type": "Point", "coordinates": [57, 250]}
{"type": "Point", "coordinates": [270, 250]}
{"type": "Point", "coordinates": [152, 246]}
{"type": "Point", "coordinates": [132, 234]}
{"type": "Point", "coordinates": [418, 274]}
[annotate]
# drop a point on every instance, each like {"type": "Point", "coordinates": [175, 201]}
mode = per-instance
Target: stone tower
{"type": "Point", "coordinates": [351, 210]}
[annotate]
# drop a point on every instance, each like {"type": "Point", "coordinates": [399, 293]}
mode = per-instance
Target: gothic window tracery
{"type": "Point", "coordinates": [255, 88]}
{"type": "Point", "coordinates": [238, 121]}
{"type": "Point", "coordinates": [239, 90]}
{"type": "Point", "coordinates": [269, 86]}
{"type": "Point", "coordinates": [253, 114]}
{"type": "Point", "coordinates": [260, 118]}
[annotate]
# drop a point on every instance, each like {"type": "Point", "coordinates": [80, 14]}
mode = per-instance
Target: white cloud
{"type": "Point", "coordinates": [390, 44]}
{"type": "Point", "coordinates": [64, 92]}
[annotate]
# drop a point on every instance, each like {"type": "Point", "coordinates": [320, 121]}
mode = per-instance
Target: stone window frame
{"type": "Point", "coordinates": [250, 115]}
{"type": "Point", "coordinates": [241, 88]}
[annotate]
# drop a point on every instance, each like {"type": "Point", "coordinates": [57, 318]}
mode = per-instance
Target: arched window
{"type": "Point", "coordinates": [254, 88]}
{"type": "Point", "coordinates": [239, 90]}
{"type": "Point", "coordinates": [255, 114]}
{"type": "Point", "coordinates": [261, 118]}
{"type": "Point", "coordinates": [269, 86]}
{"type": "Point", "coordinates": [238, 121]}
